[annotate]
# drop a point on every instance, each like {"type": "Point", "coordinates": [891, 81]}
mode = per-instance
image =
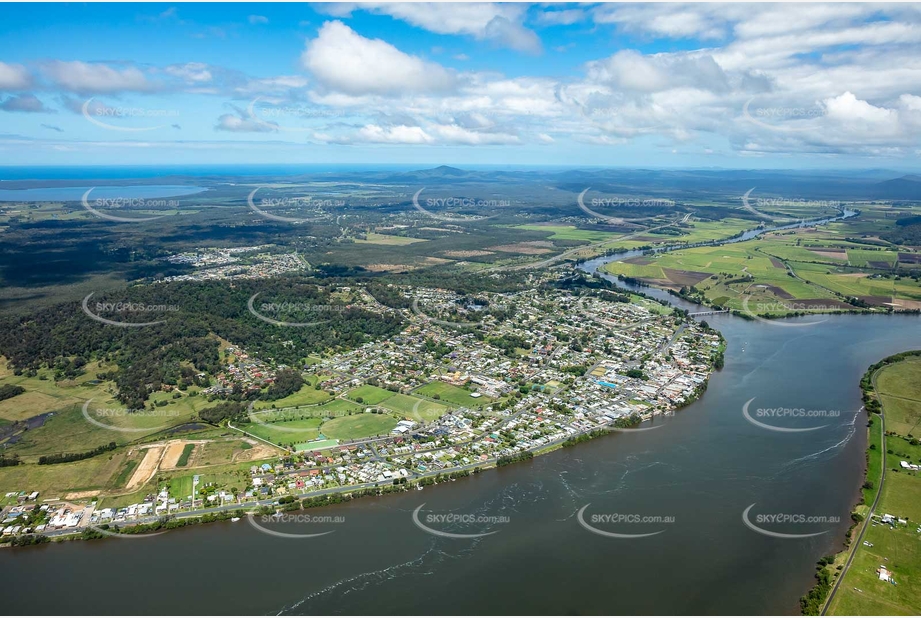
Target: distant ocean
{"type": "Point", "coordinates": [155, 171]}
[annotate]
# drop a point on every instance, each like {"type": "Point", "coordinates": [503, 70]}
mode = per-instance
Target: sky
{"type": "Point", "coordinates": [787, 86]}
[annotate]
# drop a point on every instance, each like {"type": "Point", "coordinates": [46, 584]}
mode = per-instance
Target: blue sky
{"type": "Point", "coordinates": [744, 86]}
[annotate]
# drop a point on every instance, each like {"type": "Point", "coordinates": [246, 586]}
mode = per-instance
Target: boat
{"type": "Point", "coordinates": [234, 519]}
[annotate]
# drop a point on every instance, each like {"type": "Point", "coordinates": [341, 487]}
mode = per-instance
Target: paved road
{"type": "Point", "coordinates": [320, 492]}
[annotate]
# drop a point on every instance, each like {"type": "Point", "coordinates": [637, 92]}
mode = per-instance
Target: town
{"type": "Point", "coordinates": [469, 383]}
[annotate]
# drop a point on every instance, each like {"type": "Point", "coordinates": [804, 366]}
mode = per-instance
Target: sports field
{"type": "Point", "coordinates": [369, 395]}
{"type": "Point", "coordinates": [286, 432]}
{"type": "Point", "coordinates": [358, 426]}
{"type": "Point", "coordinates": [443, 391]}
{"type": "Point", "coordinates": [415, 408]}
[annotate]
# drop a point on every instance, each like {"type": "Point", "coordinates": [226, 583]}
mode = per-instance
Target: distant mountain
{"type": "Point", "coordinates": [904, 188]}
{"type": "Point", "coordinates": [447, 170]}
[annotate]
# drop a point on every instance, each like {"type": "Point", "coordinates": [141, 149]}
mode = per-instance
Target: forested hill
{"type": "Point", "coordinates": [186, 317]}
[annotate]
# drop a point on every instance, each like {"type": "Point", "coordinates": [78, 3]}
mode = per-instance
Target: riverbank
{"type": "Point", "coordinates": [775, 272]}
{"type": "Point", "coordinates": [709, 450]}
{"type": "Point", "coordinates": [853, 581]}
{"type": "Point", "coordinates": [325, 497]}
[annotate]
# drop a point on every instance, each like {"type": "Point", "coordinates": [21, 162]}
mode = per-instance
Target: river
{"type": "Point", "coordinates": [701, 467]}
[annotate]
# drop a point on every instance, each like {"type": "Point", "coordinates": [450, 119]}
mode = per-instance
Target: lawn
{"type": "Point", "coordinates": [286, 432]}
{"type": "Point", "coordinates": [307, 396]}
{"type": "Point", "coordinates": [443, 391]}
{"type": "Point", "coordinates": [369, 395]}
{"type": "Point", "coordinates": [415, 408]}
{"type": "Point", "coordinates": [181, 487]}
{"type": "Point", "coordinates": [358, 426]}
{"type": "Point", "coordinates": [317, 445]}
{"type": "Point", "coordinates": [899, 388]}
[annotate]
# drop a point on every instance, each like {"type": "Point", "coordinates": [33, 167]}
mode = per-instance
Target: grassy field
{"type": "Point", "coordinates": [307, 396]}
{"type": "Point", "coordinates": [317, 445]}
{"type": "Point", "coordinates": [183, 460]}
{"type": "Point", "coordinates": [68, 430]}
{"type": "Point", "coordinates": [336, 407]}
{"type": "Point", "coordinates": [899, 388]}
{"type": "Point", "coordinates": [358, 426]}
{"type": "Point", "coordinates": [43, 394]}
{"type": "Point", "coordinates": [58, 480]}
{"type": "Point", "coordinates": [823, 267]}
{"type": "Point", "coordinates": [180, 487]}
{"type": "Point", "coordinates": [897, 548]}
{"type": "Point", "coordinates": [370, 395]}
{"type": "Point", "coordinates": [286, 432]}
{"type": "Point", "coordinates": [374, 238]}
{"type": "Point", "coordinates": [415, 408]}
{"type": "Point", "coordinates": [452, 395]}
{"type": "Point", "coordinates": [568, 232]}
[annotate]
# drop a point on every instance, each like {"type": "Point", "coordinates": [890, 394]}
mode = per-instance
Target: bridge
{"type": "Point", "coordinates": [712, 312]}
